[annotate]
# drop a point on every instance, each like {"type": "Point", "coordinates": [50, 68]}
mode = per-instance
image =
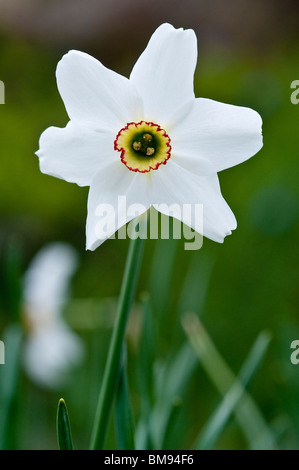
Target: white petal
{"type": "Point", "coordinates": [223, 134]}
{"type": "Point", "coordinates": [75, 153]}
{"type": "Point", "coordinates": [199, 166]}
{"type": "Point", "coordinates": [95, 95]}
{"type": "Point", "coordinates": [46, 281]}
{"type": "Point", "coordinates": [163, 74]}
{"type": "Point", "coordinates": [117, 195]}
{"type": "Point", "coordinates": [174, 185]}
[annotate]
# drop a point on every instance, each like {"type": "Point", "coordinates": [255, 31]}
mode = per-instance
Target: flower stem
{"type": "Point", "coordinates": [110, 378]}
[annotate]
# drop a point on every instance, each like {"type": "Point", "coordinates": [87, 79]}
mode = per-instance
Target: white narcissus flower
{"type": "Point", "coordinates": [147, 137]}
{"type": "Point", "coordinates": [51, 348]}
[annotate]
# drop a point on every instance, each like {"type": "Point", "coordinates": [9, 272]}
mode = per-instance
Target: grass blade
{"type": "Point", "coordinates": [124, 418]}
{"type": "Point", "coordinates": [144, 375]}
{"type": "Point", "coordinates": [171, 383]}
{"type": "Point", "coordinates": [246, 411]}
{"type": "Point", "coordinates": [196, 284]}
{"type": "Point", "coordinates": [9, 380]}
{"type": "Point", "coordinates": [216, 424]}
{"type": "Point", "coordinates": [63, 427]}
{"type": "Point", "coordinates": [161, 273]}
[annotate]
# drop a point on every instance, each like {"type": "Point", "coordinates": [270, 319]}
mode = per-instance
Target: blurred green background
{"type": "Point", "coordinates": [248, 55]}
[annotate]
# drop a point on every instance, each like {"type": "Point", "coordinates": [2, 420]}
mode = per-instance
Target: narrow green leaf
{"type": "Point", "coordinates": [216, 423]}
{"type": "Point", "coordinates": [63, 427]}
{"type": "Point", "coordinates": [196, 284]}
{"type": "Point", "coordinates": [254, 357]}
{"type": "Point", "coordinates": [161, 274]}
{"type": "Point", "coordinates": [9, 380]}
{"type": "Point", "coordinates": [171, 381]}
{"type": "Point", "coordinates": [248, 415]}
{"type": "Point", "coordinates": [146, 355]}
{"type": "Point", "coordinates": [144, 375]}
{"type": "Point", "coordinates": [173, 429]}
{"type": "Point", "coordinates": [123, 415]}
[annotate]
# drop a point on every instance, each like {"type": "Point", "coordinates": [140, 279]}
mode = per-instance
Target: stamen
{"type": "Point", "coordinates": [142, 145]}
{"type": "Point", "coordinates": [137, 146]}
{"type": "Point", "coordinates": [150, 151]}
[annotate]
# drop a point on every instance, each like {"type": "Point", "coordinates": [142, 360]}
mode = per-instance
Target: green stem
{"type": "Point", "coordinates": [110, 378]}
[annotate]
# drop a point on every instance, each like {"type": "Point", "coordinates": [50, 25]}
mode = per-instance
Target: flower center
{"type": "Point", "coordinates": [144, 146]}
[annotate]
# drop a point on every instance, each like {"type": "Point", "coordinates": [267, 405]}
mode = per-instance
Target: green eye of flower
{"type": "Point", "coordinates": [144, 146]}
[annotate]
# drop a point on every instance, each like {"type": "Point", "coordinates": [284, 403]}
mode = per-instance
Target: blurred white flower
{"type": "Point", "coordinates": [147, 137]}
{"type": "Point", "coordinates": [51, 348]}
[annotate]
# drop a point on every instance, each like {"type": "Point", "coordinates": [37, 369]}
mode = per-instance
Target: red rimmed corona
{"type": "Point", "coordinates": [144, 146]}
